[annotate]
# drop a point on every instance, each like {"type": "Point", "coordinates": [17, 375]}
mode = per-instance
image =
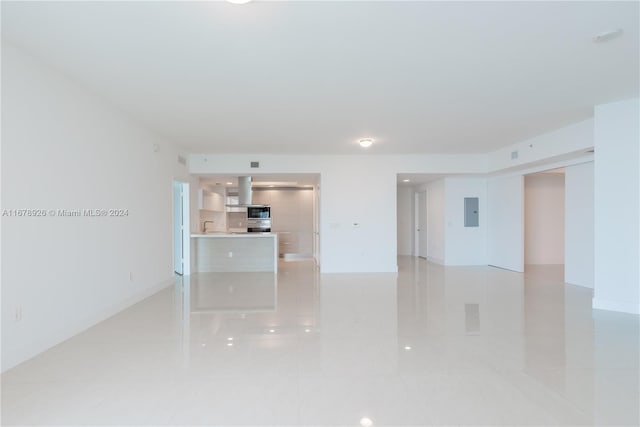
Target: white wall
{"type": "Point", "coordinates": [578, 260]}
{"type": "Point", "coordinates": [436, 221]}
{"type": "Point", "coordinates": [572, 139]}
{"type": "Point", "coordinates": [465, 245]}
{"type": "Point", "coordinates": [544, 218]}
{"type": "Point", "coordinates": [617, 181]}
{"type": "Point", "coordinates": [354, 190]}
{"type": "Point", "coordinates": [65, 149]}
{"type": "Point", "coordinates": [405, 214]}
{"type": "Point", "coordinates": [505, 222]}
{"type": "Point", "coordinates": [352, 237]}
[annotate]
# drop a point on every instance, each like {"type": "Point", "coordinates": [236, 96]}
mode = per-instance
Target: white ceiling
{"type": "Point", "coordinates": [313, 77]}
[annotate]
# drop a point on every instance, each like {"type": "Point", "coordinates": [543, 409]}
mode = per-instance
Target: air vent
{"type": "Point", "coordinates": [514, 155]}
{"type": "Point", "coordinates": [607, 36]}
{"type": "Point", "coordinates": [255, 164]}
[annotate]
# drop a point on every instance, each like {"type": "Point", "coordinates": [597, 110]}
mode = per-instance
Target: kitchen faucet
{"type": "Point", "coordinates": [204, 226]}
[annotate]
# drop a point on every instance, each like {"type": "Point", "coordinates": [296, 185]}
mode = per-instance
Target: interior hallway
{"type": "Point", "coordinates": [430, 345]}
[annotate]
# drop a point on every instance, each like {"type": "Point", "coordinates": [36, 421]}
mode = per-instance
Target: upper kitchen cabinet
{"type": "Point", "coordinates": [211, 200]}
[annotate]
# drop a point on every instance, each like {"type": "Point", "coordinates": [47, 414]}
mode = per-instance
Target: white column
{"type": "Point", "coordinates": [579, 225]}
{"type": "Point", "coordinates": [617, 208]}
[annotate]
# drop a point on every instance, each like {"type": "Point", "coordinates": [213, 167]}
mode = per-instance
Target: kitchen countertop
{"type": "Point", "coordinates": [221, 234]}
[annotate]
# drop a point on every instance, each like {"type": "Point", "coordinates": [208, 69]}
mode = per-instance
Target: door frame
{"type": "Point", "coordinates": [185, 226]}
{"type": "Point", "coordinates": [316, 223]}
{"type": "Point", "coordinates": [416, 224]}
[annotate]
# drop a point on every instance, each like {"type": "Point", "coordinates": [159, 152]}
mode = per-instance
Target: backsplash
{"type": "Point", "coordinates": [218, 219]}
{"type": "Point", "coordinates": [237, 220]}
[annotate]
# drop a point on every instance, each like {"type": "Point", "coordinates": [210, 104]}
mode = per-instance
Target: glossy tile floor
{"type": "Point", "coordinates": [431, 345]}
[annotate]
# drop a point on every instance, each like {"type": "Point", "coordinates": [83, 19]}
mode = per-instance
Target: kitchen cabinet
{"type": "Point", "coordinates": [287, 243]}
{"type": "Point", "coordinates": [226, 252]}
{"type": "Point", "coordinates": [211, 200]}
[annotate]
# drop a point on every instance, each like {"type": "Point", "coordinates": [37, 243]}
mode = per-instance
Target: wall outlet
{"type": "Point", "coordinates": [131, 276]}
{"type": "Point", "coordinates": [230, 254]}
{"type": "Point", "coordinates": [18, 313]}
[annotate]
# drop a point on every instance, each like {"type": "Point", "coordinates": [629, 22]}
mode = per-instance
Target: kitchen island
{"type": "Point", "coordinates": [234, 252]}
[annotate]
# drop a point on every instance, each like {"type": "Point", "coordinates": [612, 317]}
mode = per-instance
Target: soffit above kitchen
{"type": "Point", "coordinates": [261, 181]}
{"type": "Point", "coordinates": [315, 77]}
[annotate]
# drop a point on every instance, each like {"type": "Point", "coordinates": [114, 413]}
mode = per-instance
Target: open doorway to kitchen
{"type": "Point", "coordinates": [181, 236]}
{"type": "Point", "coordinates": [294, 209]}
{"type": "Point", "coordinates": [544, 194]}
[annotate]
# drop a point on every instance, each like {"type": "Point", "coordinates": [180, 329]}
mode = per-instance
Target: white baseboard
{"type": "Point", "coordinates": [25, 352]}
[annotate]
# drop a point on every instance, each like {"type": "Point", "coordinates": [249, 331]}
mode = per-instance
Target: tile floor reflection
{"type": "Point", "coordinates": [427, 346]}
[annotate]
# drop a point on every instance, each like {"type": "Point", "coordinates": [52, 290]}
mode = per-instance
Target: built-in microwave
{"type": "Point", "coordinates": [258, 212]}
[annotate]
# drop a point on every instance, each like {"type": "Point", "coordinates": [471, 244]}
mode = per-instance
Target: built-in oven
{"type": "Point", "coordinates": [258, 225]}
{"type": "Point", "coordinates": [258, 212]}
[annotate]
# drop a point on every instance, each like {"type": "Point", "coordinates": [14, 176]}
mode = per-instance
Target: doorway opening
{"type": "Point", "coordinates": [294, 209]}
{"type": "Point", "coordinates": [544, 219]}
{"type": "Point", "coordinates": [420, 209]}
{"type": "Point", "coordinates": [420, 215]}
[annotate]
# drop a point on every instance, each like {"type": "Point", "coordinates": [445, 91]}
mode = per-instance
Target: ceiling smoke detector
{"type": "Point", "coordinates": [607, 36]}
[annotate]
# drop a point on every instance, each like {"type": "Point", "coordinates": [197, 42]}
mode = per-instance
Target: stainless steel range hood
{"type": "Point", "coordinates": [244, 193]}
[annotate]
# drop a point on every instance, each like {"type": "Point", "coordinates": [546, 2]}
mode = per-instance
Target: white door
{"type": "Point", "coordinates": [505, 217]}
{"type": "Point", "coordinates": [421, 223]}
{"type": "Point", "coordinates": [178, 228]}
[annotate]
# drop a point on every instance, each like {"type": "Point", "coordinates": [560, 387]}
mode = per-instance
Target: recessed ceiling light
{"type": "Point", "coordinates": [238, 1]}
{"type": "Point", "coordinates": [406, 180]}
{"type": "Point", "coordinates": [607, 35]}
{"type": "Point", "coordinates": [407, 347]}
{"type": "Point", "coordinates": [365, 142]}
{"type": "Point", "coordinates": [366, 422]}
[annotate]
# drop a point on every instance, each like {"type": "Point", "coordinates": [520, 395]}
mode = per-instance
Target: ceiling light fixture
{"type": "Point", "coordinates": [607, 36]}
{"type": "Point", "coordinates": [229, 183]}
{"type": "Point", "coordinates": [365, 142]}
{"type": "Point", "coordinates": [366, 422]}
{"type": "Point", "coordinates": [406, 180]}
